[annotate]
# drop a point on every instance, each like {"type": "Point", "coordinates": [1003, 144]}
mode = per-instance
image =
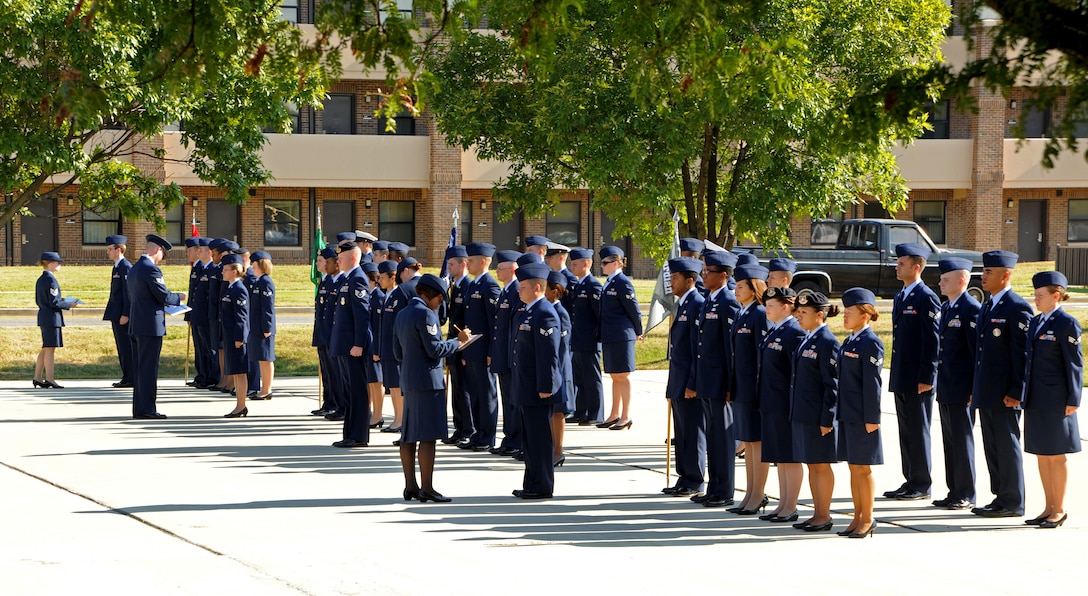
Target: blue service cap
{"type": "Point", "coordinates": [529, 258]}
{"type": "Point", "coordinates": [201, 241]}
{"type": "Point", "coordinates": [911, 249]}
{"type": "Point", "coordinates": [433, 281]}
{"type": "Point", "coordinates": [190, 242]}
{"type": "Point", "coordinates": [719, 258]}
{"type": "Point", "coordinates": [685, 265]}
{"type": "Point", "coordinates": [387, 267]}
{"type": "Point", "coordinates": [999, 258]}
{"type": "Point", "coordinates": [480, 249]}
{"type": "Point", "coordinates": [580, 253]}
{"type": "Point", "coordinates": [328, 252]}
{"type": "Point", "coordinates": [217, 244]}
{"type": "Point", "coordinates": [402, 247]}
{"type": "Point", "coordinates": [230, 246]}
{"type": "Point", "coordinates": [815, 299]}
{"type": "Point", "coordinates": [1043, 279]}
{"type": "Point", "coordinates": [537, 241]}
{"type": "Point", "coordinates": [456, 252]}
{"type": "Point", "coordinates": [163, 242]}
{"type": "Point", "coordinates": [750, 272]}
{"type": "Point", "coordinates": [116, 239]}
{"type": "Point", "coordinates": [533, 271]}
{"type": "Point", "coordinates": [856, 296]}
{"type": "Point", "coordinates": [407, 262]}
{"type": "Point", "coordinates": [51, 256]}
{"type": "Point", "coordinates": [610, 251]}
{"type": "Point", "coordinates": [692, 245]}
{"type": "Point", "coordinates": [260, 254]}
{"type": "Point", "coordinates": [505, 256]}
{"type": "Point", "coordinates": [779, 293]}
{"type": "Point", "coordinates": [746, 258]}
{"type": "Point", "coordinates": [782, 264]}
{"type": "Point", "coordinates": [954, 264]}
{"type": "Point", "coordinates": [557, 278]}
{"type": "Point", "coordinates": [342, 236]}
{"type": "Point", "coordinates": [380, 245]}
{"type": "Point", "coordinates": [346, 246]}
{"type": "Point", "coordinates": [369, 268]}
{"type": "Point", "coordinates": [230, 258]}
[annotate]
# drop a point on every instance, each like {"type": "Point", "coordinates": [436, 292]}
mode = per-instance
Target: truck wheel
{"type": "Point", "coordinates": [807, 287]}
{"type": "Point", "coordinates": [976, 293]}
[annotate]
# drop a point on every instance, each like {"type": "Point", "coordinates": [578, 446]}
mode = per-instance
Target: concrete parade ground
{"type": "Point", "coordinates": [92, 501]}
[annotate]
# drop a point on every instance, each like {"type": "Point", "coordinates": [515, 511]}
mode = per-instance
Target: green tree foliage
{"type": "Point", "coordinates": [738, 114]}
{"type": "Point", "coordinates": [81, 82]}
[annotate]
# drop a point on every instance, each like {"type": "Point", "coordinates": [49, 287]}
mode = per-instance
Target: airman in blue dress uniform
{"type": "Point", "coordinates": [780, 272]}
{"type": "Point", "coordinates": [323, 306]}
{"type": "Point", "coordinates": [1000, 363]}
{"type": "Point", "coordinates": [693, 247]}
{"type": "Point", "coordinates": [214, 274]}
{"type": "Point", "coordinates": [375, 390]}
{"type": "Point", "coordinates": [147, 323]}
{"type": "Point", "coordinates": [481, 306]}
{"type": "Point", "coordinates": [537, 380]}
{"type": "Point", "coordinates": [955, 377]}
{"type": "Point", "coordinates": [51, 305]}
{"type": "Point", "coordinates": [117, 307]}
{"type": "Point", "coordinates": [460, 402]}
{"type": "Point", "coordinates": [555, 257]}
{"type": "Point", "coordinates": [262, 337]}
{"type": "Point", "coordinates": [205, 354]}
{"type": "Point", "coordinates": [621, 327]}
{"type": "Point", "coordinates": [1052, 390]}
{"type": "Point", "coordinates": [407, 275]}
{"type": "Point", "coordinates": [687, 412]}
{"type": "Point", "coordinates": [502, 335]}
{"type": "Point", "coordinates": [915, 317]}
{"type": "Point", "coordinates": [746, 336]}
{"type": "Point", "coordinates": [709, 380]}
{"type": "Point", "coordinates": [349, 341]}
{"type": "Point", "coordinates": [235, 313]}
{"type": "Point", "coordinates": [196, 268]}
{"type": "Point", "coordinates": [585, 344]}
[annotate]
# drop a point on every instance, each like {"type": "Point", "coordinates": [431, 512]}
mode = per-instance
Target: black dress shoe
{"type": "Point", "coordinates": [911, 495]}
{"type": "Point", "coordinates": [942, 502]}
{"type": "Point", "coordinates": [959, 504]}
{"type": "Point", "coordinates": [426, 495]}
{"type": "Point", "coordinates": [260, 397]}
{"type": "Point", "coordinates": [509, 451]}
{"type": "Point", "coordinates": [464, 444]}
{"type": "Point", "coordinates": [151, 416]}
{"type": "Point", "coordinates": [608, 423]}
{"type": "Point", "coordinates": [1050, 525]}
{"type": "Point", "coordinates": [38, 383]}
{"type": "Point", "coordinates": [1036, 520]}
{"type": "Point", "coordinates": [481, 447]}
{"type": "Point", "coordinates": [52, 385]}
{"type": "Point", "coordinates": [410, 493]}
{"type": "Point", "coordinates": [187, 384]}
{"type": "Point", "coordinates": [573, 420]}
{"type": "Point", "coordinates": [451, 440]}
{"type": "Point", "coordinates": [781, 519]}
{"type": "Point", "coordinates": [684, 491]}
{"type": "Point", "coordinates": [335, 416]}
{"type": "Point", "coordinates": [320, 412]}
{"type": "Point", "coordinates": [717, 502]}
{"type": "Point", "coordinates": [670, 490]}
{"type": "Point", "coordinates": [589, 423]}
{"type": "Point", "coordinates": [891, 494]}
{"type": "Point", "coordinates": [700, 498]}
{"type": "Point", "coordinates": [819, 527]}
{"type": "Point", "coordinates": [121, 385]}
{"type": "Point", "coordinates": [380, 423]}
{"type": "Point", "coordinates": [767, 516]}
{"type": "Point", "coordinates": [994, 511]}
{"type": "Point", "coordinates": [528, 494]}
{"type": "Point", "coordinates": [520, 456]}
{"type": "Point", "coordinates": [392, 429]}
{"type": "Point", "coordinates": [239, 414]}
{"type": "Point", "coordinates": [349, 444]}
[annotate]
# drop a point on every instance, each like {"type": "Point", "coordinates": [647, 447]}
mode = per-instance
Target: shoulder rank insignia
{"type": "Point", "coordinates": [432, 329]}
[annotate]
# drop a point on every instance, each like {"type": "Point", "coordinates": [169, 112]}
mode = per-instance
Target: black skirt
{"type": "Point", "coordinates": [236, 360]}
{"type": "Point", "coordinates": [1048, 431]}
{"type": "Point", "coordinates": [811, 447]}
{"type": "Point", "coordinates": [747, 423]}
{"type": "Point", "coordinates": [52, 337]}
{"type": "Point", "coordinates": [777, 433]}
{"type": "Point", "coordinates": [859, 447]}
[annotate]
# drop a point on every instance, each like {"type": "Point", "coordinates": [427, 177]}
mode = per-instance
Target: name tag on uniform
{"type": "Point", "coordinates": [744, 330]}
{"type": "Point", "coordinates": [525, 327]}
{"type": "Point", "coordinates": [1048, 337]}
{"type": "Point", "coordinates": [810, 353]}
{"type": "Point", "coordinates": [611, 292]}
{"type": "Point", "coordinates": [955, 323]}
{"type": "Point", "coordinates": [712, 316]}
{"type": "Point", "coordinates": [775, 347]}
{"type": "Point", "coordinates": [850, 354]}
{"type": "Point", "coordinates": [909, 311]}
{"type": "Point", "coordinates": [504, 305]}
{"type": "Point", "coordinates": [998, 321]}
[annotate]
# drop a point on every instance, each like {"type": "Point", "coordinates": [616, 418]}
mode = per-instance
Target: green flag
{"type": "Point", "coordinates": [319, 245]}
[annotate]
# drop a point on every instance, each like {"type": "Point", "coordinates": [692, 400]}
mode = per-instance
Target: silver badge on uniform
{"type": "Point", "coordinates": [997, 333]}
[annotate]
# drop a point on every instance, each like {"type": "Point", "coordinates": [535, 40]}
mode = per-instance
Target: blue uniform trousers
{"type": "Point", "coordinates": [588, 387]}
{"type": "Point", "coordinates": [536, 422]}
{"type": "Point", "coordinates": [146, 379]}
{"type": "Point", "coordinates": [511, 418]}
{"type": "Point", "coordinates": [459, 400]}
{"type": "Point", "coordinates": [357, 420]}
{"type": "Point", "coordinates": [253, 377]}
{"type": "Point", "coordinates": [690, 442]}
{"type": "Point", "coordinates": [484, 400]}
{"type": "Point", "coordinates": [1004, 458]}
{"type": "Point", "coordinates": [207, 364]}
{"type": "Point", "coordinates": [123, 341]}
{"type": "Point", "coordinates": [721, 448]}
{"type": "Point", "coordinates": [329, 374]}
{"type": "Point", "coordinates": [915, 413]}
{"type": "Point", "coordinates": [957, 433]}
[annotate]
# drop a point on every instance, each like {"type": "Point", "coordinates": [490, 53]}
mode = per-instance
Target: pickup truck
{"type": "Point", "coordinates": [864, 256]}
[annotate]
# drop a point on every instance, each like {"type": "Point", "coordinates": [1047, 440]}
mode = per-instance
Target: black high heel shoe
{"type": "Point", "coordinates": [866, 533]}
{"type": "Point", "coordinates": [411, 493]}
{"type": "Point", "coordinates": [426, 495]}
{"type": "Point", "coordinates": [761, 507]}
{"type": "Point", "coordinates": [559, 462]}
{"type": "Point", "coordinates": [45, 385]}
{"type": "Point", "coordinates": [608, 423]}
{"type": "Point", "coordinates": [239, 414]}
{"type": "Point", "coordinates": [52, 385]}
{"type": "Point", "coordinates": [1050, 525]}
{"type": "Point", "coordinates": [619, 426]}
{"type": "Point", "coordinates": [380, 423]}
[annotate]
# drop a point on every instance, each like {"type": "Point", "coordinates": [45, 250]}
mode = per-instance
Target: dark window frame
{"type": "Point", "coordinates": [465, 223]}
{"type": "Point", "coordinates": [931, 222]}
{"type": "Point", "coordinates": [99, 218]}
{"type": "Point", "coordinates": [1080, 221]}
{"type": "Point", "coordinates": [175, 236]}
{"type": "Point", "coordinates": [394, 234]}
{"type": "Point", "coordinates": [939, 122]}
{"type": "Point", "coordinates": [558, 230]}
{"type": "Point", "coordinates": [276, 220]}
{"type": "Point", "coordinates": [351, 114]}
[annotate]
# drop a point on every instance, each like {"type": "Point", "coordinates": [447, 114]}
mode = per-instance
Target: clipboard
{"type": "Point", "coordinates": [471, 340]}
{"type": "Point", "coordinates": [176, 310]}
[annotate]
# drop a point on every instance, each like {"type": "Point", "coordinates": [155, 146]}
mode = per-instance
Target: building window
{"type": "Point", "coordinates": [282, 223]}
{"type": "Point", "coordinates": [937, 114]}
{"type": "Point", "coordinates": [290, 11]}
{"type": "Point", "coordinates": [929, 215]}
{"type": "Point", "coordinates": [397, 221]}
{"type": "Point", "coordinates": [465, 230]}
{"type": "Point", "coordinates": [825, 230]}
{"type": "Point", "coordinates": [98, 225]}
{"type": "Point", "coordinates": [1036, 122]}
{"type": "Point", "coordinates": [564, 225]}
{"type": "Point", "coordinates": [175, 229]}
{"type": "Point", "coordinates": [1078, 220]}
{"type": "Point", "coordinates": [338, 115]}
{"type": "Point", "coordinates": [405, 126]}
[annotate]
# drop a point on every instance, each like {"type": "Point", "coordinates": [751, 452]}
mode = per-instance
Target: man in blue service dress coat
{"type": "Point", "coordinates": [536, 380]}
{"type": "Point", "coordinates": [709, 380]}
{"type": "Point", "coordinates": [1000, 363]}
{"type": "Point", "coordinates": [481, 306]}
{"type": "Point", "coordinates": [117, 307]}
{"type": "Point", "coordinates": [205, 355]}
{"type": "Point", "coordinates": [502, 335]}
{"type": "Point", "coordinates": [148, 295]}
{"type": "Point", "coordinates": [687, 412]}
{"type": "Point", "coordinates": [915, 314]}
{"type": "Point", "coordinates": [349, 341]}
{"type": "Point", "coordinates": [585, 347]}
{"type": "Point", "coordinates": [460, 403]}
{"type": "Point", "coordinates": [955, 376]}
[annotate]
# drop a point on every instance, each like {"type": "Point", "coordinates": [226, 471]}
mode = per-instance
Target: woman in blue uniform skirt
{"type": "Point", "coordinates": [749, 329]}
{"type": "Point", "coordinates": [419, 348]}
{"type": "Point", "coordinates": [621, 327]}
{"type": "Point", "coordinates": [234, 316]}
{"type": "Point", "coordinates": [557, 289]}
{"type": "Point", "coordinates": [375, 390]}
{"type": "Point", "coordinates": [775, 373]}
{"type": "Point", "coordinates": [860, 361]}
{"type": "Point", "coordinates": [813, 397]}
{"type": "Point", "coordinates": [263, 322]}
{"type": "Point", "coordinates": [50, 319]}
{"type": "Point", "coordinates": [1052, 393]}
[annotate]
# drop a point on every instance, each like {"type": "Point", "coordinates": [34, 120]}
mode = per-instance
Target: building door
{"type": "Point", "coordinates": [507, 235]}
{"type": "Point", "coordinates": [1031, 244]}
{"type": "Point", "coordinates": [222, 220]}
{"type": "Point", "coordinates": [40, 230]}
{"type": "Point", "coordinates": [334, 216]}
